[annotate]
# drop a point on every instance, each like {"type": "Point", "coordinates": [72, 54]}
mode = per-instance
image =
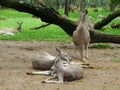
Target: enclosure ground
{"type": "Point", "coordinates": [16, 57]}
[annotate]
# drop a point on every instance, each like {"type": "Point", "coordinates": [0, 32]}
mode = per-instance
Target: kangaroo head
{"type": "Point", "coordinates": [58, 63]}
{"type": "Point", "coordinates": [19, 26]}
{"type": "Point", "coordinates": [63, 55]}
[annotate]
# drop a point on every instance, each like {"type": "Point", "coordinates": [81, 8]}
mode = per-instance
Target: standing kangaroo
{"type": "Point", "coordinates": [81, 38]}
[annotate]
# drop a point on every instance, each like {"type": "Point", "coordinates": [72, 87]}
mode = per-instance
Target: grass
{"type": "Point", "coordinates": [49, 33]}
{"type": "Point", "coordinates": [115, 60]}
{"type": "Point", "coordinates": [10, 13]}
{"type": "Point", "coordinates": [101, 45]}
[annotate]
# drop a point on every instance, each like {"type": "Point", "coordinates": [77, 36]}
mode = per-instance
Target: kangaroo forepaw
{"type": "Point", "coordinates": [43, 81]}
{"type": "Point", "coordinates": [29, 73]}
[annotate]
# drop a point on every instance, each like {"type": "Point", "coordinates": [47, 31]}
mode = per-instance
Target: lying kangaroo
{"type": "Point", "coordinates": [10, 31]}
{"type": "Point", "coordinates": [45, 61]}
{"type": "Point", "coordinates": [64, 73]}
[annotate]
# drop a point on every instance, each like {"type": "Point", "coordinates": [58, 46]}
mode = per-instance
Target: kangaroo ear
{"type": "Point", "coordinates": [56, 61]}
{"type": "Point", "coordinates": [19, 22]}
{"type": "Point", "coordinates": [58, 50]}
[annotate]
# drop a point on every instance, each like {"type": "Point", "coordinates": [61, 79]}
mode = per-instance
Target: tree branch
{"type": "Point", "coordinates": [41, 26]}
{"type": "Point", "coordinates": [107, 20]}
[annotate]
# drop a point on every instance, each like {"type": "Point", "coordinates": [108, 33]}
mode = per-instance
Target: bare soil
{"type": "Point", "coordinates": [16, 57]}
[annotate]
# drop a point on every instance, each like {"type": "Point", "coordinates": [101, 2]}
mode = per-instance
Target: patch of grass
{"type": "Point", "coordinates": [101, 46]}
{"type": "Point", "coordinates": [115, 60]}
{"type": "Point", "coordinates": [95, 14]}
{"type": "Point", "coordinates": [10, 13]}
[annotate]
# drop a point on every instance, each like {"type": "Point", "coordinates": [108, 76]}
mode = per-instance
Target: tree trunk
{"type": "Point", "coordinates": [49, 15]}
{"type": "Point", "coordinates": [57, 4]}
{"type": "Point", "coordinates": [66, 11]}
{"type": "Point", "coordinates": [82, 6]}
{"type": "Point", "coordinates": [112, 6]}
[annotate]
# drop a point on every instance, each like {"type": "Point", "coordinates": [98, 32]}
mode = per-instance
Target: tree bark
{"type": "Point", "coordinates": [104, 38]}
{"type": "Point", "coordinates": [49, 15]}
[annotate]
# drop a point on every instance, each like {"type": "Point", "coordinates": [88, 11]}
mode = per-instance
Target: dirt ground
{"type": "Point", "coordinates": [16, 57]}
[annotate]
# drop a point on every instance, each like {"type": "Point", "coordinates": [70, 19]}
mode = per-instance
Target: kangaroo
{"type": "Point", "coordinates": [45, 61]}
{"type": "Point", "coordinates": [81, 38]}
{"type": "Point", "coordinates": [10, 31]}
{"type": "Point", "coordinates": [64, 73]}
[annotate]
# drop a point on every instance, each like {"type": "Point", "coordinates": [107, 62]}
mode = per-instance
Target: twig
{"type": "Point", "coordinates": [41, 26]}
